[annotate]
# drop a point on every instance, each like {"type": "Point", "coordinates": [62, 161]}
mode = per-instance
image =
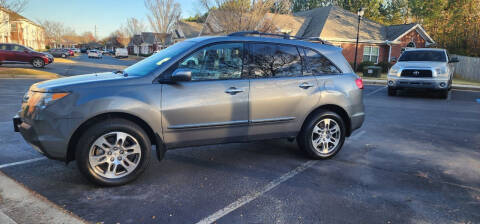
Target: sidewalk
{"type": "Point", "coordinates": [20, 205]}
{"type": "Point", "coordinates": [454, 86]}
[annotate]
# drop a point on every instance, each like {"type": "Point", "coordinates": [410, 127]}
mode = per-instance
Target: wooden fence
{"type": "Point", "coordinates": [468, 67]}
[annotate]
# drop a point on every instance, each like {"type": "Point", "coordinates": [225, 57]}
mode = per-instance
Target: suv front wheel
{"type": "Point", "coordinates": [323, 135]}
{"type": "Point", "coordinates": [38, 63]}
{"type": "Point", "coordinates": [113, 152]}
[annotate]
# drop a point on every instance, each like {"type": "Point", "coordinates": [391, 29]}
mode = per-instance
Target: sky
{"type": "Point", "coordinates": [107, 15]}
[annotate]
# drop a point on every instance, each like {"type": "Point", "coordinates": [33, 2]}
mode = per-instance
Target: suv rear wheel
{"type": "Point", "coordinates": [38, 63]}
{"type": "Point", "coordinates": [323, 135]}
{"type": "Point", "coordinates": [113, 152]}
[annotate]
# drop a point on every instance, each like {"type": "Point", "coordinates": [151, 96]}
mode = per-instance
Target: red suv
{"type": "Point", "coordinates": [18, 54]}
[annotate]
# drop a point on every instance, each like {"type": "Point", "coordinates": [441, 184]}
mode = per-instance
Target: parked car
{"type": "Point", "coordinates": [70, 52]}
{"type": "Point", "coordinates": [121, 53]}
{"type": "Point", "coordinates": [83, 50]}
{"type": "Point", "coordinates": [75, 50]}
{"type": "Point", "coordinates": [205, 90]}
{"type": "Point", "coordinates": [18, 54]}
{"type": "Point", "coordinates": [422, 68]}
{"type": "Point", "coordinates": [57, 52]}
{"type": "Point", "coordinates": [94, 54]}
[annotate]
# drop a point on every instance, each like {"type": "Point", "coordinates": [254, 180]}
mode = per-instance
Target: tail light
{"type": "Point", "coordinates": [359, 83]}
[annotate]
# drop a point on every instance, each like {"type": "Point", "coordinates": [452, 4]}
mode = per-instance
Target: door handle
{"type": "Point", "coordinates": [305, 85]}
{"type": "Point", "coordinates": [233, 91]}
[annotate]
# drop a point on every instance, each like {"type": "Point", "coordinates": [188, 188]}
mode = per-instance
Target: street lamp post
{"type": "Point", "coordinates": [360, 15]}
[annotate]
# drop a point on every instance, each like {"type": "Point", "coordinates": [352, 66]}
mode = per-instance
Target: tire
{"type": "Point", "coordinates": [113, 159]}
{"type": "Point", "coordinates": [311, 131]}
{"type": "Point", "coordinates": [443, 94]}
{"type": "Point", "coordinates": [392, 91]}
{"type": "Point", "coordinates": [38, 63]}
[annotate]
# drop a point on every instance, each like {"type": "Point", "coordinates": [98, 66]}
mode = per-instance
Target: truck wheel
{"type": "Point", "coordinates": [323, 135]}
{"type": "Point", "coordinates": [392, 91]}
{"type": "Point", "coordinates": [443, 94]}
{"type": "Point", "coordinates": [38, 63]}
{"type": "Point", "coordinates": [113, 152]}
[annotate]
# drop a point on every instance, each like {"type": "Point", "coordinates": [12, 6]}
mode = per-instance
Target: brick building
{"type": "Point", "coordinates": [377, 43]}
{"type": "Point", "coordinates": [15, 28]}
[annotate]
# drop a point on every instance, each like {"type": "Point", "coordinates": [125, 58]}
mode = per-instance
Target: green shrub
{"type": "Point", "coordinates": [385, 66]}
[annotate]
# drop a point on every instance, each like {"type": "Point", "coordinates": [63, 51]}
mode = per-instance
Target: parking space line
{"type": "Point", "coordinates": [22, 162]}
{"type": "Point", "coordinates": [375, 91]}
{"type": "Point", "coordinates": [252, 196]}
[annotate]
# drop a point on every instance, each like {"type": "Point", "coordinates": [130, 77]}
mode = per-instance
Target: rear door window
{"type": "Point", "coordinates": [18, 48]}
{"type": "Point", "coordinates": [317, 64]}
{"type": "Point", "coordinates": [273, 60]}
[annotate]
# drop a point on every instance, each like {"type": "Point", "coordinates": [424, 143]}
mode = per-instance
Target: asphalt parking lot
{"type": "Point", "coordinates": [82, 65]}
{"type": "Point", "coordinates": [415, 160]}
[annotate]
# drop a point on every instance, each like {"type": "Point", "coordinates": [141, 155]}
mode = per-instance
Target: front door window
{"type": "Point", "coordinates": [222, 61]}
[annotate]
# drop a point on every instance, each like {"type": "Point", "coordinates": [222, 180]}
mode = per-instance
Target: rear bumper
{"type": "Point", "coordinates": [418, 83]}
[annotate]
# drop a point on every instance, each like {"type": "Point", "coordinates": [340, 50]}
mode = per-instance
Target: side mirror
{"type": "Point", "coordinates": [454, 60]}
{"type": "Point", "coordinates": [394, 59]}
{"type": "Point", "coordinates": [182, 75]}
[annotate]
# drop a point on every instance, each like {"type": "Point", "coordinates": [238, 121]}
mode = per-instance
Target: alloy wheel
{"type": "Point", "coordinates": [114, 155]}
{"type": "Point", "coordinates": [37, 63]}
{"type": "Point", "coordinates": [326, 135]}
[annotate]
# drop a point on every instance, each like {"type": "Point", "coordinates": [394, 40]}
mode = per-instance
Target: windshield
{"type": "Point", "coordinates": [423, 56]}
{"type": "Point", "coordinates": [150, 64]}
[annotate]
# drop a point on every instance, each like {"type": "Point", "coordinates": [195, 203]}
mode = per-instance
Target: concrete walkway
{"type": "Point", "coordinates": [20, 205]}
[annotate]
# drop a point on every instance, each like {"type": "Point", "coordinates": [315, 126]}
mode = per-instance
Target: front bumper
{"type": "Point", "coordinates": [418, 83]}
{"type": "Point", "coordinates": [43, 137]}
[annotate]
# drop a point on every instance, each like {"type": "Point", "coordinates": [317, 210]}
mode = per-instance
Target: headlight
{"type": "Point", "coordinates": [42, 100]}
{"type": "Point", "coordinates": [394, 71]}
{"type": "Point", "coordinates": [441, 72]}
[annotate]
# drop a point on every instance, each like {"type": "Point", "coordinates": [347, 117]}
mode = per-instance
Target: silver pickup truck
{"type": "Point", "coordinates": [422, 68]}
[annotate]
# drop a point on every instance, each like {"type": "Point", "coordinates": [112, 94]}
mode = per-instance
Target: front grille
{"type": "Point", "coordinates": [417, 73]}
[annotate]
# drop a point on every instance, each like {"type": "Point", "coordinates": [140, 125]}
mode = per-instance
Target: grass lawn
{"type": "Point", "coordinates": [63, 60]}
{"type": "Point", "coordinates": [456, 80]}
{"type": "Point", "coordinates": [26, 73]}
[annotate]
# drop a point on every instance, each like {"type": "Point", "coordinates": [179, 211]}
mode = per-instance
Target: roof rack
{"type": "Point", "coordinates": [284, 36]}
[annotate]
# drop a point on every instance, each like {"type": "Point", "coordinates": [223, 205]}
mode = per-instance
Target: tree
{"type": "Point", "coordinates": [164, 14]}
{"type": "Point", "coordinates": [134, 26]}
{"type": "Point", "coordinates": [122, 36]}
{"type": "Point", "coordinates": [54, 32]}
{"type": "Point", "coordinates": [240, 15]}
{"type": "Point", "coordinates": [17, 6]}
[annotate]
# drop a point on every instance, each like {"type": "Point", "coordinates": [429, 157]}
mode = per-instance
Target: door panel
{"type": "Point", "coordinates": [19, 54]}
{"type": "Point", "coordinates": [213, 107]}
{"type": "Point", "coordinates": [202, 112]}
{"type": "Point", "coordinates": [280, 96]}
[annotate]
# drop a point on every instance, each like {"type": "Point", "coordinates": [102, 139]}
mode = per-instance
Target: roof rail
{"type": "Point", "coordinates": [284, 36]}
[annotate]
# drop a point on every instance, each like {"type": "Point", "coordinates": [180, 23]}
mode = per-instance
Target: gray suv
{"type": "Point", "coordinates": [206, 90]}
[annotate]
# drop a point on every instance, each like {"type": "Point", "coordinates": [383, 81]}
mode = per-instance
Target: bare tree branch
{"type": "Point", "coordinates": [164, 14]}
{"type": "Point", "coordinates": [17, 6]}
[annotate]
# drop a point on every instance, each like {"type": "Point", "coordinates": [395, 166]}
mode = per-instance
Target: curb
{"type": "Point", "coordinates": [18, 204]}
{"type": "Point", "coordinates": [454, 86]}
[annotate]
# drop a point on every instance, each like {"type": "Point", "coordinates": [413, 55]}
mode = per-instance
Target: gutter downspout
{"type": "Point", "coordinates": [389, 50]}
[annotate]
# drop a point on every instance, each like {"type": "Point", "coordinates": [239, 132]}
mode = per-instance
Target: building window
{"type": "Point", "coordinates": [370, 53]}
